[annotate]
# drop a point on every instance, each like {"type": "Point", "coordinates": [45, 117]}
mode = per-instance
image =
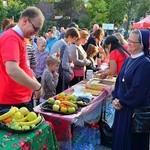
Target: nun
{"type": "Point", "coordinates": [132, 90]}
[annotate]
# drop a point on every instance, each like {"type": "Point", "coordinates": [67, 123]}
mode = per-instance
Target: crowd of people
{"type": "Point", "coordinates": [36, 66]}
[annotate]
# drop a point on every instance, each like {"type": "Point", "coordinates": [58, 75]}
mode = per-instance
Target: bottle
{"type": "Point", "coordinates": [89, 74]}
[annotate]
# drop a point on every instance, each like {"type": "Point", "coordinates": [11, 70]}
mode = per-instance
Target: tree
{"type": "Point", "coordinates": [3, 12]}
{"type": "Point", "coordinates": [68, 9]}
{"type": "Point", "coordinates": [14, 9]}
{"type": "Point", "coordinates": [115, 15]}
{"type": "Point", "coordinates": [143, 8]}
{"type": "Point", "coordinates": [97, 11]}
{"type": "Point", "coordinates": [30, 2]}
{"type": "Point", "coordinates": [123, 13]}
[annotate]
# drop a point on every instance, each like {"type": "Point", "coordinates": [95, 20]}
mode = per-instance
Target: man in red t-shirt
{"type": "Point", "coordinates": [17, 81]}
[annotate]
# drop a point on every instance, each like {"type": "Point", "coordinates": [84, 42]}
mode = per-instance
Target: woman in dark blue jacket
{"type": "Point", "coordinates": [132, 90]}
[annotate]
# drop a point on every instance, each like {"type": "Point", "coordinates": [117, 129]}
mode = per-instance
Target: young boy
{"type": "Point", "coordinates": [65, 69]}
{"type": "Point", "coordinates": [50, 76]}
{"type": "Point", "coordinates": [41, 56]}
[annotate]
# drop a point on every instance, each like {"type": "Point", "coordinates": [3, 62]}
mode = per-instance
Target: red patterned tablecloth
{"type": "Point", "coordinates": [42, 138]}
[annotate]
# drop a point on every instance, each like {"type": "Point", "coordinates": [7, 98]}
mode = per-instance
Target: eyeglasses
{"type": "Point", "coordinates": [36, 29]}
{"type": "Point", "coordinates": [130, 41]}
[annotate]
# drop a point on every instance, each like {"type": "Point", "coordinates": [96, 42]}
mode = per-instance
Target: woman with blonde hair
{"type": "Point", "coordinates": [79, 57]}
{"type": "Point", "coordinates": [121, 39]}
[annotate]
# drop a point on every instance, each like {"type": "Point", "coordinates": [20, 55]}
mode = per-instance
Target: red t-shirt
{"type": "Point", "coordinates": [119, 58]}
{"type": "Point", "coordinates": [13, 48]}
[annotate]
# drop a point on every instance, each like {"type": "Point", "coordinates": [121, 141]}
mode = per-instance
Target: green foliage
{"type": "Point", "coordinates": [116, 15]}
{"type": "Point", "coordinates": [79, 4]}
{"type": "Point", "coordinates": [84, 22]}
{"type": "Point", "coordinates": [68, 7]}
{"type": "Point", "coordinates": [47, 25]}
{"type": "Point", "coordinates": [143, 8]}
{"type": "Point", "coordinates": [3, 12]}
{"type": "Point", "coordinates": [30, 2]}
{"type": "Point", "coordinates": [97, 11]}
{"type": "Point", "coordinates": [14, 9]}
{"type": "Point", "coordinates": [69, 10]}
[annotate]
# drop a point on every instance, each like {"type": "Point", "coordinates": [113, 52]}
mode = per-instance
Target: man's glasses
{"type": "Point", "coordinates": [130, 41]}
{"type": "Point", "coordinates": [36, 29]}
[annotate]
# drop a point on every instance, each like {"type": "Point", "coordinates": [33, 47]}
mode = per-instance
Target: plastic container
{"type": "Point", "coordinates": [89, 74]}
{"type": "Point", "coordinates": [85, 138]}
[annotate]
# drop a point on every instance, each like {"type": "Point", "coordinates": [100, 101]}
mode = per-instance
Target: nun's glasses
{"type": "Point", "coordinates": [130, 41]}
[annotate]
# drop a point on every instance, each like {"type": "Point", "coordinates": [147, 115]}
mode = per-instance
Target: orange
{"type": "Point", "coordinates": [61, 99]}
{"type": "Point", "coordinates": [62, 105]}
{"type": "Point", "coordinates": [7, 120]}
{"type": "Point", "coordinates": [66, 98]}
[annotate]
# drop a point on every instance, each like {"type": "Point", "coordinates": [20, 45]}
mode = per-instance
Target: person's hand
{"type": "Point", "coordinates": [103, 75]}
{"type": "Point", "coordinates": [37, 94]}
{"type": "Point", "coordinates": [55, 74]}
{"type": "Point", "coordinates": [116, 104]}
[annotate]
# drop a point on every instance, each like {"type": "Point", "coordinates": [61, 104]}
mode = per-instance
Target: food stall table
{"type": "Point", "coordinates": [41, 138]}
{"type": "Point", "coordinates": [62, 123]}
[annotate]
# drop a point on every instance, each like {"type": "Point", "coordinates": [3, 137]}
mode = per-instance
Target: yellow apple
{"type": "Point", "coordinates": [71, 109]}
{"type": "Point", "coordinates": [24, 111]}
{"type": "Point", "coordinates": [57, 102]}
{"type": "Point", "coordinates": [62, 94]}
{"type": "Point", "coordinates": [51, 100]}
{"type": "Point", "coordinates": [31, 116]}
{"type": "Point", "coordinates": [17, 115]}
{"type": "Point", "coordinates": [56, 107]}
{"type": "Point", "coordinates": [64, 109]}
